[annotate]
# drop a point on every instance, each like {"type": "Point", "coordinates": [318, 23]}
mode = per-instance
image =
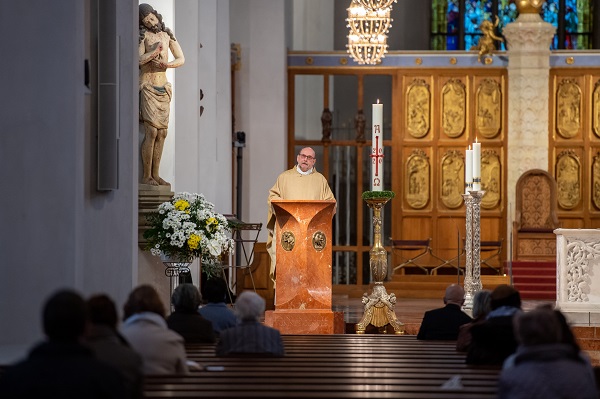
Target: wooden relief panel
{"type": "Point", "coordinates": [568, 108]}
{"type": "Point", "coordinates": [454, 105]}
{"type": "Point", "coordinates": [417, 179]}
{"type": "Point", "coordinates": [491, 182]}
{"type": "Point", "coordinates": [535, 203]}
{"type": "Point", "coordinates": [596, 181]}
{"type": "Point", "coordinates": [418, 100]}
{"type": "Point", "coordinates": [568, 179]}
{"type": "Point", "coordinates": [596, 109]}
{"type": "Point", "coordinates": [452, 179]}
{"type": "Point", "coordinates": [489, 108]}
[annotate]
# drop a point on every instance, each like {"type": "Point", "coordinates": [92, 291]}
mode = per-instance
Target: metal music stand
{"type": "Point", "coordinates": [247, 254]}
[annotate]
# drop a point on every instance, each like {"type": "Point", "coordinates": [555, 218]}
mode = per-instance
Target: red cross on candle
{"type": "Point", "coordinates": [377, 155]}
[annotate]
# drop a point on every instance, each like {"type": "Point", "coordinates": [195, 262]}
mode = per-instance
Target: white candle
{"type": "Point", "coordinates": [469, 170]}
{"type": "Point", "coordinates": [476, 166]}
{"type": "Point", "coordinates": [377, 148]}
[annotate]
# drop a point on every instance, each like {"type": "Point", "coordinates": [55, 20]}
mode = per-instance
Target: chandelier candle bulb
{"type": "Point", "coordinates": [377, 148]}
{"type": "Point", "coordinates": [468, 170]}
{"type": "Point", "coordinates": [476, 166]}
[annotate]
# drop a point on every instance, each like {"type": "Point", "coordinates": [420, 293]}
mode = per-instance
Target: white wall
{"type": "Point", "coordinates": [56, 229]}
{"type": "Point", "coordinates": [261, 98]}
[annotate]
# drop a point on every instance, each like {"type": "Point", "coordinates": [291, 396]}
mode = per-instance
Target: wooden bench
{"type": "Point", "coordinates": [333, 366]}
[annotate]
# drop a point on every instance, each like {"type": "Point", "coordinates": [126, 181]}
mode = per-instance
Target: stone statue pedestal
{"type": "Point", "coordinates": [303, 269]}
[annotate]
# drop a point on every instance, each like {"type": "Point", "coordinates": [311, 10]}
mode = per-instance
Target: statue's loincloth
{"type": "Point", "coordinates": [155, 105]}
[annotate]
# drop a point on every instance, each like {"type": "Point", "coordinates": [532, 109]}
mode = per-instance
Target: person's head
{"type": "Point", "coordinates": [482, 303]}
{"type": "Point", "coordinates": [249, 306]}
{"type": "Point", "coordinates": [306, 159]}
{"type": "Point", "coordinates": [538, 327]}
{"type": "Point", "coordinates": [65, 316]}
{"type": "Point", "coordinates": [143, 298]}
{"type": "Point", "coordinates": [455, 295]}
{"type": "Point", "coordinates": [103, 311]}
{"type": "Point", "coordinates": [215, 290]}
{"type": "Point", "coordinates": [151, 20]}
{"type": "Point", "coordinates": [567, 334]}
{"type": "Point", "coordinates": [186, 298]}
{"type": "Point", "coordinates": [505, 295]}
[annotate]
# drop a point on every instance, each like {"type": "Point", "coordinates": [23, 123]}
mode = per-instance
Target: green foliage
{"type": "Point", "coordinates": [378, 194]}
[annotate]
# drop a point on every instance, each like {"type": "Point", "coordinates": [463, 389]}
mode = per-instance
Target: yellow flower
{"type": "Point", "coordinates": [181, 205]}
{"type": "Point", "coordinates": [194, 241]}
{"type": "Point", "coordinates": [210, 222]}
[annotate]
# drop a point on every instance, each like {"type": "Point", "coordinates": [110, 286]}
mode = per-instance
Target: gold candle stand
{"type": "Point", "coordinates": [379, 305]}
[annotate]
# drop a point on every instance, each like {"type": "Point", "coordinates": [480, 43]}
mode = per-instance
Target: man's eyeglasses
{"type": "Point", "coordinates": [304, 156]}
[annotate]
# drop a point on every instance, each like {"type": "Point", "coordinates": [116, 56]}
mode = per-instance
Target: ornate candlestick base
{"type": "Point", "coordinates": [379, 311]}
{"type": "Point", "coordinates": [379, 306]}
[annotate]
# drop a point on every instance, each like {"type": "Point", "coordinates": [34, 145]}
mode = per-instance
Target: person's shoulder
{"type": "Point", "coordinates": [291, 171]}
{"type": "Point", "coordinates": [434, 312]}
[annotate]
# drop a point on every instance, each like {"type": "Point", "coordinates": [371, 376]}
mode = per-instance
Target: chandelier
{"type": "Point", "coordinates": [367, 38]}
{"type": "Point", "coordinates": [376, 4]}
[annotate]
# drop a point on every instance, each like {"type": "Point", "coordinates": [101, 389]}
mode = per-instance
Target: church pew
{"type": "Point", "coordinates": [333, 366]}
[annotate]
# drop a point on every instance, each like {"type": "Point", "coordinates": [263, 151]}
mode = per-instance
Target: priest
{"type": "Point", "coordinates": [302, 182]}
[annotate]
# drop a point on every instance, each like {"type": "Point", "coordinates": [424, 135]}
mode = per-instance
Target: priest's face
{"type": "Point", "coordinates": [306, 159]}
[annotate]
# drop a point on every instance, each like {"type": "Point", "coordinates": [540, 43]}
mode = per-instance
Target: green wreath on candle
{"type": "Point", "coordinates": [378, 194]}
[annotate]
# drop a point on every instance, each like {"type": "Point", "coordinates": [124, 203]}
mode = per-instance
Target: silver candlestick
{"type": "Point", "coordinates": [468, 283]}
{"type": "Point", "coordinates": [473, 246]}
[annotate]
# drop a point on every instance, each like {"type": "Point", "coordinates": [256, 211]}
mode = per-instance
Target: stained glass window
{"type": "Point", "coordinates": [573, 23]}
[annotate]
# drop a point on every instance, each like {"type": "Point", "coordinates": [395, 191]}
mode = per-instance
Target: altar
{"type": "Point", "coordinates": [578, 274]}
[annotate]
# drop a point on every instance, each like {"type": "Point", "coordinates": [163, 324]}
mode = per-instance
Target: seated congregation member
{"type": "Point", "coordinates": [250, 336]}
{"type": "Point", "coordinates": [110, 346]}
{"type": "Point", "coordinates": [443, 323]}
{"type": "Point", "coordinates": [216, 310]}
{"type": "Point", "coordinates": [545, 365]}
{"type": "Point", "coordinates": [493, 340]}
{"type": "Point", "coordinates": [145, 328]}
{"type": "Point", "coordinates": [186, 320]}
{"type": "Point", "coordinates": [482, 305]}
{"type": "Point", "coordinates": [61, 366]}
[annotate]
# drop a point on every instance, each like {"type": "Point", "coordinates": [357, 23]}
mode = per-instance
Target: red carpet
{"type": "Point", "coordinates": [535, 280]}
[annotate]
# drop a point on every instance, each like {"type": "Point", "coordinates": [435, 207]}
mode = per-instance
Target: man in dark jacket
{"type": "Point", "coordinates": [493, 340]}
{"type": "Point", "coordinates": [185, 320]}
{"type": "Point", "coordinates": [61, 367]}
{"type": "Point", "coordinates": [444, 323]}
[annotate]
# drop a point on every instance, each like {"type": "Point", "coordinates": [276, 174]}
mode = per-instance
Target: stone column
{"type": "Point", "coordinates": [528, 40]}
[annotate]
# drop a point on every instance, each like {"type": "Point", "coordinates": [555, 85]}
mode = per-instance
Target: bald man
{"type": "Point", "coordinates": [444, 323]}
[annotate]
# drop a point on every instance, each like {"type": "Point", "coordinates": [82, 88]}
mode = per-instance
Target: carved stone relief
{"type": "Point", "coordinates": [418, 100]}
{"type": "Point", "coordinates": [453, 179]}
{"type": "Point", "coordinates": [491, 180]}
{"type": "Point", "coordinates": [596, 109]}
{"type": "Point", "coordinates": [596, 181]}
{"type": "Point", "coordinates": [454, 108]}
{"type": "Point", "coordinates": [489, 108]}
{"type": "Point", "coordinates": [417, 179]}
{"type": "Point", "coordinates": [568, 108]}
{"type": "Point", "coordinates": [568, 179]}
{"type": "Point", "coordinates": [581, 255]}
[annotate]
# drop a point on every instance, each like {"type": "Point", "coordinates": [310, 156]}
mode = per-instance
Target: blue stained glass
{"type": "Point", "coordinates": [452, 27]}
{"type": "Point", "coordinates": [577, 23]}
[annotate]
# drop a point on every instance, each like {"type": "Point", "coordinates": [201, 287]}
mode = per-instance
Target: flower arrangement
{"type": "Point", "coordinates": [187, 227]}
